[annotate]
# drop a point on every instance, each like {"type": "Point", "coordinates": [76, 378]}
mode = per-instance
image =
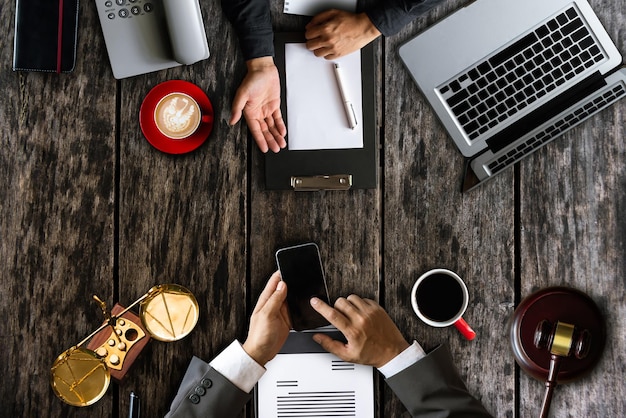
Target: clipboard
{"type": "Point", "coordinates": [326, 169]}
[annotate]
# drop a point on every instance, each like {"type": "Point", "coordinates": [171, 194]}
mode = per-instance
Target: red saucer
{"type": "Point", "coordinates": [152, 133]}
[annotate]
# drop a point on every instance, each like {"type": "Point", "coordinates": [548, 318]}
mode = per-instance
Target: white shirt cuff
{"type": "Point", "coordinates": [403, 360]}
{"type": "Point", "coordinates": [237, 366]}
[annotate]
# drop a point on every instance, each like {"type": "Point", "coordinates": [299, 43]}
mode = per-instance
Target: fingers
{"type": "Point", "coordinates": [257, 134]}
{"type": "Point", "coordinates": [271, 288]}
{"type": "Point", "coordinates": [280, 124]}
{"type": "Point", "coordinates": [357, 302]}
{"type": "Point", "coordinates": [268, 133]}
{"type": "Point", "coordinates": [276, 130]}
{"type": "Point", "coordinates": [323, 52]}
{"type": "Point", "coordinates": [318, 34]}
{"type": "Point", "coordinates": [332, 346]}
{"type": "Point", "coordinates": [267, 136]}
{"type": "Point", "coordinates": [345, 311]}
{"type": "Point", "coordinates": [237, 108]}
{"type": "Point", "coordinates": [321, 18]}
{"type": "Point", "coordinates": [331, 314]}
{"type": "Point", "coordinates": [277, 298]}
{"type": "Point", "coordinates": [349, 309]}
{"type": "Point", "coordinates": [319, 41]}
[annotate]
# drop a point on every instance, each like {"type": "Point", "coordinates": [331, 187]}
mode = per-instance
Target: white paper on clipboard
{"type": "Point", "coordinates": [316, 118]}
{"type": "Point", "coordinates": [315, 384]}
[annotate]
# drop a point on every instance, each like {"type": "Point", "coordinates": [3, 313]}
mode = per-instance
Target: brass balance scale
{"type": "Point", "coordinates": [81, 375]}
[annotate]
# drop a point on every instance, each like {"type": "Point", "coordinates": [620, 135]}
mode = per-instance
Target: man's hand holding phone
{"type": "Point", "coordinates": [269, 324]}
{"type": "Point", "coordinates": [301, 269]}
{"type": "Point", "coordinates": [372, 337]}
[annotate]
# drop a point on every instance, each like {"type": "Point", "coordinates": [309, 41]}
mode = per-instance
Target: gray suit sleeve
{"type": "Point", "coordinates": [206, 393]}
{"type": "Point", "coordinates": [432, 388]}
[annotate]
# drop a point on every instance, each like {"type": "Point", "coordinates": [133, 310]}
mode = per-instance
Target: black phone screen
{"type": "Point", "coordinates": [301, 268]}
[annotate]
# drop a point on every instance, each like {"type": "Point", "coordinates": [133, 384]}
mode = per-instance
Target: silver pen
{"type": "Point", "coordinates": [347, 104]}
{"type": "Point", "coordinates": [134, 409]}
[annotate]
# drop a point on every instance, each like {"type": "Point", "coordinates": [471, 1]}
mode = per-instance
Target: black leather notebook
{"type": "Point", "coordinates": [45, 35]}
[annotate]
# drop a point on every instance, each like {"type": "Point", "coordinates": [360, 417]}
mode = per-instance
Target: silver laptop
{"type": "Point", "coordinates": [505, 77]}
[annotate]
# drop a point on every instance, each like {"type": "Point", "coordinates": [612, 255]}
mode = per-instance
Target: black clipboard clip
{"type": "Point", "coordinates": [315, 183]}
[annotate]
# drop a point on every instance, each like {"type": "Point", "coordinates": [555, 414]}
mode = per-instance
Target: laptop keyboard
{"type": "Point", "coordinates": [559, 126]}
{"type": "Point", "coordinates": [514, 78]}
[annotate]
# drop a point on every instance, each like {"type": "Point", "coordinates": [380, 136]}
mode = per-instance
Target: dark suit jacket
{"type": "Point", "coordinates": [430, 388]}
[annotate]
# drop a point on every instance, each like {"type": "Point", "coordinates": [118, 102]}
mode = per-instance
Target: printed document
{"type": "Point", "coordinates": [315, 385]}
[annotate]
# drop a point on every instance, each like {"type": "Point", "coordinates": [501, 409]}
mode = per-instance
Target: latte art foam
{"type": "Point", "coordinates": [177, 115]}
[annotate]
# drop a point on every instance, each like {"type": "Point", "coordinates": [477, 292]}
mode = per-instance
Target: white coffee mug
{"type": "Point", "coordinates": [439, 298]}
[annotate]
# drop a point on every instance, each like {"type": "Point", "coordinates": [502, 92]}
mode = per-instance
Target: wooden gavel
{"type": "Point", "coordinates": [562, 340]}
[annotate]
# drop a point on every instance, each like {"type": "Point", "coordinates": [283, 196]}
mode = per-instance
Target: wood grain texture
{"type": "Point", "coordinates": [56, 202]}
{"type": "Point", "coordinates": [429, 224]}
{"type": "Point", "coordinates": [88, 206]}
{"type": "Point", "coordinates": [572, 234]}
{"type": "Point", "coordinates": [345, 225]}
{"type": "Point", "coordinates": [182, 217]}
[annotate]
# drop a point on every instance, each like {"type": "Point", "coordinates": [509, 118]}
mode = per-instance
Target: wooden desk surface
{"type": "Point", "coordinates": [88, 206]}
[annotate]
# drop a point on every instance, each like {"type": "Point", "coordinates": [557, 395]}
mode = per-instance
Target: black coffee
{"type": "Point", "coordinates": [439, 297]}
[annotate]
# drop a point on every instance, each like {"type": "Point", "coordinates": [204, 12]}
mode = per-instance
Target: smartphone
{"type": "Point", "coordinates": [301, 269]}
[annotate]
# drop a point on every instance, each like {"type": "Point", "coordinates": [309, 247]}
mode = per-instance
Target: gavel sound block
{"type": "Point", "coordinates": [556, 304]}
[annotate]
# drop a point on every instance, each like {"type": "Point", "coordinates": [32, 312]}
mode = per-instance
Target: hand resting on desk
{"type": "Point", "coordinates": [258, 98]}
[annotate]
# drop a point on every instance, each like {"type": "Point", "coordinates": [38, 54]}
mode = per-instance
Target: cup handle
{"type": "Point", "coordinates": [465, 329]}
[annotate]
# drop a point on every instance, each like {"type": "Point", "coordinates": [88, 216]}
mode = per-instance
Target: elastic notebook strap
{"type": "Point", "coordinates": [60, 37]}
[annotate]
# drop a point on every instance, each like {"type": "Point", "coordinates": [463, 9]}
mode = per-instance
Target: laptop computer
{"type": "Point", "coordinates": [505, 77]}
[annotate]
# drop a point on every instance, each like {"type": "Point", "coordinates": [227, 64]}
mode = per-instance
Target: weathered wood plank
{"type": "Point", "coordinates": [428, 224]}
{"type": "Point", "coordinates": [56, 217]}
{"type": "Point", "coordinates": [572, 234]}
{"type": "Point", "coordinates": [345, 225]}
{"type": "Point", "coordinates": [182, 218]}
{"type": "Point", "coordinates": [88, 206]}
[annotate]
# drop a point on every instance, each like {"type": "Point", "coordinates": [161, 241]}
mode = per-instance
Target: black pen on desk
{"type": "Point", "coordinates": [134, 410]}
{"type": "Point", "coordinates": [347, 104]}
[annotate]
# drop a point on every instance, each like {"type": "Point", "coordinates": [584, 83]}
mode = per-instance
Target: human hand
{"type": "Point", "coordinates": [335, 33]}
{"type": "Point", "coordinates": [373, 338]}
{"type": "Point", "coordinates": [269, 324]}
{"type": "Point", "coordinates": [258, 98]}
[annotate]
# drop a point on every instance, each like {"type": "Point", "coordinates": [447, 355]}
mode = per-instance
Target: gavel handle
{"type": "Point", "coordinates": [551, 382]}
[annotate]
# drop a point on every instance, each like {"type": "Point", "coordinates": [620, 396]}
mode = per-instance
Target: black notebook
{"type": "Point", "coordinates": [45, 35]}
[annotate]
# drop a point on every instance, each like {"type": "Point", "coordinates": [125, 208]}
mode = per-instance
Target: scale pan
{"type": "Point", "coordinates": [169, 313]}
{"type": "Point", "coordinates": [79, 377]}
